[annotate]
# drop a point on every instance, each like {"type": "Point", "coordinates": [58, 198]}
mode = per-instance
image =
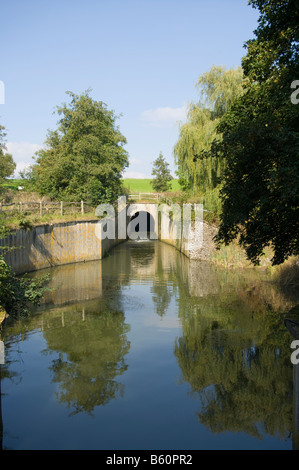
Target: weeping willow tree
{"type": "Point", "coordinates": [198, 168]}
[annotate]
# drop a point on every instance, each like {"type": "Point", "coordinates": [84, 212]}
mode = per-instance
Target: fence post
{"type": "Point", "coordinates": [41, 208]}
{"type": "Point", "coordinates": [82, 207]}
{"type": "Point", "coordinates": [61, 207]}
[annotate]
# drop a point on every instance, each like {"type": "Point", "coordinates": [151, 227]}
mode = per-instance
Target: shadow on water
{"type": "Point", "coordinates": [229, 343]}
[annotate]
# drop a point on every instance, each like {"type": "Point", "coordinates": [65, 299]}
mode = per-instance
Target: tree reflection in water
{"type": "Point", "coordinates": [90, 343]}
{"type": "Point", "coordinates": [235, 355]}
{"type": "Point", "coordinates": [91, 356]}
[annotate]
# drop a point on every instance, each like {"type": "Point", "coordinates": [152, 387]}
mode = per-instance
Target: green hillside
{"type": "Point", "coordinates": [135, 185]}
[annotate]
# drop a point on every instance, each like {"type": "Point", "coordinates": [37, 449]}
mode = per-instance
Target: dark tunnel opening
{"type": "Point", "coordinates": [142, 223]}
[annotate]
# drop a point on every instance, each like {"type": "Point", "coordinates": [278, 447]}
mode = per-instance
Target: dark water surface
{"type": "Point", "coordinates": [149, 350]}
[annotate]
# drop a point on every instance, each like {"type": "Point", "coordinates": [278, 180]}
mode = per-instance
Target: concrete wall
{"type": "Point", "coordinates": [53, 245]}
{"type": "Point", "coordinates": [44, 246]}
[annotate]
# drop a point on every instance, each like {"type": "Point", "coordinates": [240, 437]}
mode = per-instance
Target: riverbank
{"type": "Point", "coordinates": [28, 221]}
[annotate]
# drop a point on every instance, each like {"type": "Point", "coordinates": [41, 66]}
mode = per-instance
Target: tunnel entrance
{"type": "Point", "coordinates": [141, 226]}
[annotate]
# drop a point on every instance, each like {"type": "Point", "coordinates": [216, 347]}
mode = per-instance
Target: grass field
{"type": "Point", "coordinates": [144, 185]}
{"type": "Point", "coordinates": [13, 184]}
{"type": "Point", "coordinates": [134, 185]}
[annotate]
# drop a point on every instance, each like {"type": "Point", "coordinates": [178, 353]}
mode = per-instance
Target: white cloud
{"type": "Point", "coordinates": [164, 116]}
{"type": "Point", "coordinates": [21, 166]}
{"type": "Point", "coordinates": [22, 153]}
{"type": "Point", "coordinates": [135, 174]}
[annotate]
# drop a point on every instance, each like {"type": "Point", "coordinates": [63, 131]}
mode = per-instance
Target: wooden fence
{"type": "Point", "coordinates": [144, 196]}
{"type": "Point", "coordinates": [43, 208]}
{"type": "Point", "coordinates": [149, 197]}
{"type": "Point", "coordinates": [63, 208]}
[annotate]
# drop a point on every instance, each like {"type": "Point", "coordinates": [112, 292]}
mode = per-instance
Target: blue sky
{"type": "Point", "coordinates": [140, 57]}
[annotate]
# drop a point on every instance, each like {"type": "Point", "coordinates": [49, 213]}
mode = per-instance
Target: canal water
{"type": "Point", "coordinates": [146, 349]}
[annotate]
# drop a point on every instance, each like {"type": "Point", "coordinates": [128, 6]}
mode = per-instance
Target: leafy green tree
{"type": "Point", "coordinates": [162, 177]}
{"type": "Point", "coordinates": [260, 141]}
{"type": "Point", "coordinates": [84, 157]}
{"type": "Point", "coordinates": [198, 168]}
{"type": "Point", "coordinates": [7, 165]}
